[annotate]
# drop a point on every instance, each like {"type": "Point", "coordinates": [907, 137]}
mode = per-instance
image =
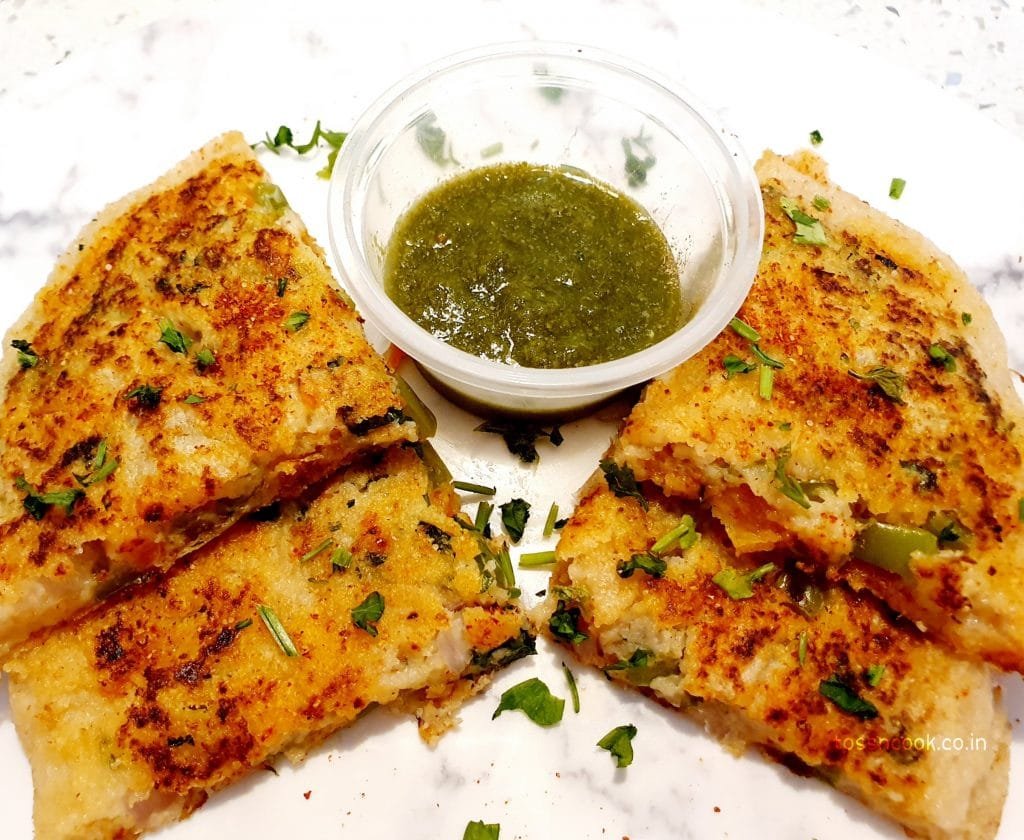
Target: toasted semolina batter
{"type": "Point", "coordinates": [133, 714]}
{"type": "Point", "coordinates": [752, 668]}
{"type": "Point", "coordinates": [887, 438]}
{"type": "Point", "coordinates": [190, 359]}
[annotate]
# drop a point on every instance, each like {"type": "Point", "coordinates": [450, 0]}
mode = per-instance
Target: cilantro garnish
{"type": "Point", "coordinates": [941, 356]}
{"type": "Point", "coordinates": [479, 830]}
{"type": "Point", "coordinates": [734, 364]}
{"type": "Point", "coordinates": [739, 585]}
{"type": "Point", "coordinates": [565, 624]}
{"type": "Point", "coordinates": [622, 481]}
{"type": "Point", "coordinates": [205, 359]}
{"type": "Point", "coordinates": [896, 187]}
{"type": "Point", "coordinates": [574, 692]}
{"type": "Point", "coordinates": [296, 321]}
{"type": "Point", "coordinates": [874, 675]}
{"type": "Point", "coordinates": [787, 485]}
{"type": "Point", "coordinates": [514, 515]}
{"type": "Point", "coordinates": [276, 628]}
{"type": "Point", "coordinates": [533, 699]}
{"type": "Point", "coordinates": [888, 381]}
{"type": "Point", "coordinates": [368, 613]}
{"type": "Point", "coordinates": [821, 203]}
{"type": "Point", "coordinates": [816, 137]}
{"type": "Point", "coordinates": [836, 690]}
{"type": "Point", "coordinates": [285, 138]}
{"type": "Point", "coordinates": [619, 742]}
{"type": "Point", "coordinates": [521, 436]}
{"type": "Point", "coordinates": [27, 357]}
{"type": "Point", "coordinates": [101, 467]}
{"type": "Point", "coordinates": [744, 330]}
{"type": "Point", "coordinates": [174, 338]}
{"type": "Point", "coordinates": [809, 230]}
{"type": "Point", "coordinates": [646, 562]}
{"type": "Point", "coordinates": [144, 397]}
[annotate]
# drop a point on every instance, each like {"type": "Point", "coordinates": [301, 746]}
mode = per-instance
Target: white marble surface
{"type": "Point", "coordinates": [133, 97]}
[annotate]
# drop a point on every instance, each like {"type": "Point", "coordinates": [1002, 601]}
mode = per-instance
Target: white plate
{"type": "Point", "coordinates": [102, 124]}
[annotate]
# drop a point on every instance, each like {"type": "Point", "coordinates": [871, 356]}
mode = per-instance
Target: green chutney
{"type": "Point", "coordinates": [536, 266]}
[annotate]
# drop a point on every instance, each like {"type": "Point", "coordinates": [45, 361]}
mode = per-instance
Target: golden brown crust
{"type": "Point", "coordinates": [177, 688]}
{"type": "Point", "coordinates": [212, 251]}
{"type": "Point", "coordinates": [876, 295]}
{"type": "Point", "coordinates": [736, 665]}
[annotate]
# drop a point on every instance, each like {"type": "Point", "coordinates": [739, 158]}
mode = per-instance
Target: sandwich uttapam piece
{"type": "Point", "coordinates": [862, 408]}
{"type": "Point", "coordinates": [190, 359]}
{"type": "Point", "coordinates": [289, 626]}
{"type": "Point", "coordinates": [765, 653]}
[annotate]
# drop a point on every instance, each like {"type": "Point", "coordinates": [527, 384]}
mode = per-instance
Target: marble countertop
{"type": "Point", "coordinates": [98, 98]}
{"type": "Point", "coordinates": [970, 48]}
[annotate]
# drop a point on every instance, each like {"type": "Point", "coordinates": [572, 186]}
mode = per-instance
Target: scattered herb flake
{"type": "Point", "coordinates": [368, 613]}
{"type": "Point", "coordinates": [809, 231]}
{"type": "Point", "coordinates": [174, 338]}
{"type": "Point", "coordinates": [549, 523]}
{"type": "Point", "coordinates": [102, 467]}
{"type": "Point", "coordinates": [888, 381]}
{"type": "Point", "coordinates": [836, 690]}
{"type": "Point", "coordinates": [296, 321]}
{"type": "Point", "coordinates": [801, 649]}
{"type": "Point", "coordinates": [27, 357]}
{"type": "Point", "coordinates": [646, 562]}
{"type": "Point", "coordinates": [821, 203]}
{"type": "Point", "coordinates": [734, 364]}
{"type": "Point", "coordinates": [739, 585]}
{"type": "Point", "coordinates": [874, 675]}
{"type": "Point", "coordinates": [941, 356]}
{"type": "Point", "coordinates": [282, 286]}
{"type": "Point", "coordinates": [194, 399]}
{"type": "Point", "coordinates": [765, 381]}
{"type": "Point", "coordinates": [145, 396]}
{"type": "Point", "coordinates": [966, 317]}
{"type": "Point", "coordinates": [816, 138]}
{"type": "Point", "coordinates": [574, 692]}
{"type": "Point", "coordinates": [469, 487]}
{"type": "Point", "coordinates": [479, 830]}
{"type": "Point", "coordinates": [483, 518]}
{"type": "Point", "coordinates": [320, 549]}
{"type": "Point", "coordinates": [205, 358]}
{"type": "Point", "coordinates": [244, 624]}
{"type": "Point", "coordinates": [341, 559]}
{"type": "Point", "coordinates": [685, 533]}
{"type": "Point", "coordinates": [764, 358]}
{"type": "Point", "coordinates": [514, 516]}
{"type": "Point", "coordinates": [621, 481]}
{"type": "Point", "coordinates": [640, 658]}
{"type": "Point", "coordinates": [896, 187]}
{"type": "Point", "coordinates": [521, 436]}
{"type": "Point", "coordinates": [787, 485]}
{"type": "Point", "coordinates": [533, 698]}
{"type": "Point", "coordinates": [619, 742]}
{"type": "Point", "coordinates": [564, 624]}
{"type": "Point", "coordinates": [536, 559]}
{"type": "Point", "coordinates": [284, 137]}
{"type": "Point", "coordinates": [273, 624]}
{"type": "Point", "coordinates": [744, 330]}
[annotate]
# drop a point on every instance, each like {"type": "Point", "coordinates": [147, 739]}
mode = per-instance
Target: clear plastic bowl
{"type": "Point", "coordinates": [549, 104]}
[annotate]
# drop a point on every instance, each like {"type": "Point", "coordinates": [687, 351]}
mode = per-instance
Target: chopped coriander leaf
{"type": "Point", "coordinates": [574, 692]}
{"type": "Point", "coordinates": [244, 624]}
{"type": "Point", "coordinates": [504, 654]}
{"type": "Point", "coordinates": [38, 503]}
{"type": "Point", "coordinates": [564, 624]}
{"type": "Point", "coordinates": [966, 317]}
{"type": "Point", "coordinates": [764, 358]}
{"type": "Point", "coordinates": [479, 830]}
{"type": "Point", "coordinates": [273, 624]}
{"type": "Point", "coordinates": [145, 396]}
{"type": "Point", "coordinates": [341, 559]}
{"type": "Point", "coordinates": [282, 286]}
{"type": "Point", "coordinates": [535, 559]}
{"type": "Point", "coordinates": [27, 357]}
{"type": "Point", "coordinates": [744, 330]}
{"type": "Point", "coordinates": [646, 562]}
{"type": "Point", "coordinates": [684, 532]}
{"type": "Point", "coordinates": [205, 358]}
{"type": "Point", "coordinates": [787, 485]}
{"type": "Point", "coordinates": [619, 742]}
{"type": "Point", "coordinates": [765, 381]}
{"type": "Point", "coordinates": [504, 572]}
{"type": "Point", "coordinates": [1020, 510]}
{"type": "Point", "coordinates": [514, 516]}
{"type": "Point", "coordinates": [821, 203]}
{"type": "Point", "coordinates": [533, 698]}
{"type": "Point", "coordinates": [816, 137]}
{"type": "Point", "coordinates": [105, 468]}
{"type": "Point", "coordinates": [896, 187]}
{"type": "Point", "coordinates": [801, 649]}
{"type": "Point", "coordinates": [174, 338]}
{"type": "Point", "coordinates": [521, 436]}
{"type": "Point", "coordinates": [549, 523]}
{"type": "Point", "coordinates": [836, 690]}
{"type": "Point", "coordinates": [561, 523]}
{"type": "Point", "coordinates": [194, 399]}
{"type": "Point", "coordinates": [739, 586]}
{"type": "Point", "coordinates": [640, 658]}
{"type": "Point", "coordinates": [888, 381]}
{"type": "Point", "coordinates": [285, 137]}
{"type": "Point", "coordinates": [369, 612]}
{"type": "Point", "coordinates": [483, 516]}
{"type": "Point", "coordinates": [734, 364]}
{"type": "Point", "coordinates": [941, 356]}
{"type": "Point", "coordinates": [874, 675]}
{"type": "Point", "coordinates": [296, 321]}
{"type": "Point", "coordinates": [621, 481]}
{"type": "Point", "coordinates": [809, 231]}
{"type": "Point", "coordinates": [320, 549]}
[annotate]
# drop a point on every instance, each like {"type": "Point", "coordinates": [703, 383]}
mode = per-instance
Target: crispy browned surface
{"type": "Point", "coordinates": [131, 715]}
{"type": "Point", "coordinates": [735, 665]}
{"type": "Point", "coordinates": [877, 294]}
{"type": "Point", "coordinates": [209, 249]}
